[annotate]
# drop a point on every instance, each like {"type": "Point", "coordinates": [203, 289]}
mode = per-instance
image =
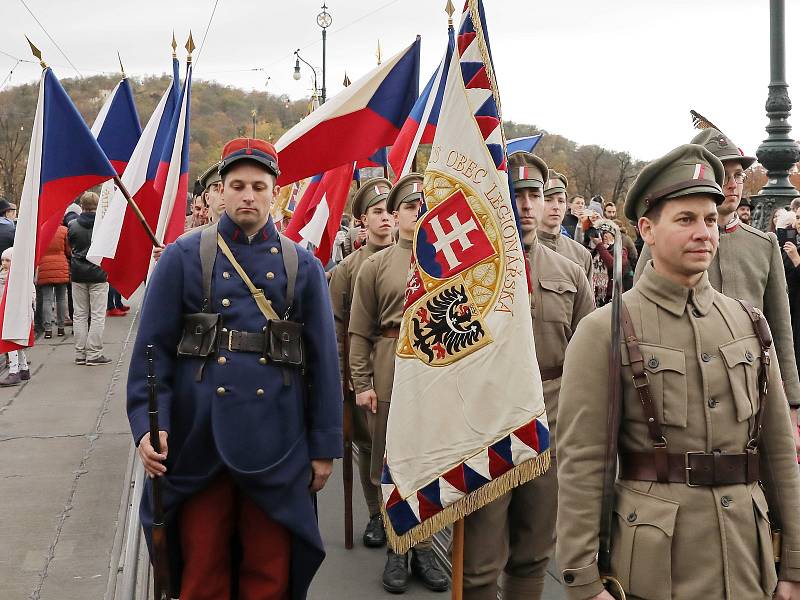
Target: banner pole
{"type": "Point", "coordinates": [136, 211]}
{"type": "Point", "coordinates": [458, 561]}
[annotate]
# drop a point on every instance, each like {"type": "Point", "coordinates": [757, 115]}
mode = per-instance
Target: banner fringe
{"type": "Point", "coordinates": [520, 474]}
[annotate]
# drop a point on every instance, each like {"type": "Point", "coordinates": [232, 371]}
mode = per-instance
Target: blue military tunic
{"type": "Point", "coordinates": [241, 416]}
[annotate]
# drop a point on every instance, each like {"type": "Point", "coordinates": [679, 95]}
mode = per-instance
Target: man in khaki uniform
{"type": "Point", "coordinates": [212, 192]}
{"type": "Point", "coordinates": [549, 229]}
{"type": "Point", "coordinates": [695, 524]}
{"type": "Point", "coordinates": [369, 204]}
{"type": "Point", "coordinates": [374, 328]}
{"type": "Point", "coordinates": [514, 535]}
{"type": "Point", "coordinates": [748, 264]}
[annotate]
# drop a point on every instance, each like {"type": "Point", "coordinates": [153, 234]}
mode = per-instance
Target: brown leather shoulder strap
{"type": "Point", "coordinates": [642, 385]}
{"type": "Point", "coordinates": [764, 335]}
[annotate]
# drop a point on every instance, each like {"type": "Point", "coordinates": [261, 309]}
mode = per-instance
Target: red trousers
{"type": "Point", "coordinates": [208, 522]}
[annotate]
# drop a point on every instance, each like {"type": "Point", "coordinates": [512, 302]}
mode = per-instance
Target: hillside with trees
{"type": "Point", "coordinates": [220, 113]}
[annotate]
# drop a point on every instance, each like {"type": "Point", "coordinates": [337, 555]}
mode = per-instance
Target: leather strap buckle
{"type": "Point", "coordinates": [688, 467]}
{"type": "Point", "coordinates": [230, 339]}
{"type": "Point", "coordinates": [640, 381]}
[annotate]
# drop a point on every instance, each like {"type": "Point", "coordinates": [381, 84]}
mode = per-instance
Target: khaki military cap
{"type": "Point", "coordinates": [722, 147]}
{"type": "Point", "coordinates": [556, 183]}
{"type": "Point", "coordinates": [688, 169]}
{"type": "Point", "coordinates": [407, 189]}
{"type": "Point", "coordinates": [210, 176]}
{"type": "Point", "coordinates": [527, 170]}
{"type": "Point", "coordinates": [369, 194]}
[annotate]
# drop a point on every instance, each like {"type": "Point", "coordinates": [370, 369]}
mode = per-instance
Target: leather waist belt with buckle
{"type": "Point", "coordinates": [693, 468]}
{"type": "Point", "coordinates": [242, 341]}
{"type": "Point", "coordinates": [391, 332]}
{"type": "Point", "coordinates": [551, 373]}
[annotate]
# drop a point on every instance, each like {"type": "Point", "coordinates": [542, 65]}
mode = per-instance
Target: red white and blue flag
{"type": "Point", "coordinates": [359, 120]}
{"type": "Point", "coordinates": [468, 420]}
{"type": "Point", "coordinates": [64, 160]}
{"type": "Point", "coordinates": [318, 215]}
{"type": "Point", "coordinates": [120, 244]}
{"type": "Point", "coordinates": [172, 176]}
{"type": "Point", "coordinates": [420, 127]}
{"type": "Point", "coordinates": [117, 130]}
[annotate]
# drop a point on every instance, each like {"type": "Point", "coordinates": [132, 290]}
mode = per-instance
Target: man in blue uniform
{"type": "Point", "coordinates": [249, 428]}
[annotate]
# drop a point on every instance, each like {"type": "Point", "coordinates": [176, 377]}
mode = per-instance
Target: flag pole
{"type": "Point", "coordinates": [457, 587]}
{"type": "Point", "coordinates": [136, 211]}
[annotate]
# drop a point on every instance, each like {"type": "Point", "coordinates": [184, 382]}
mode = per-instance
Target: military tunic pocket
{"type": "Point", "coordinates": [666, 371]}
{"type": "Point", "coordinates": [769, 577]}
{"type": "Point", "coordinates": [742, 357]}
{"type": "Point", "coordinates": [641, 543]}
{"type": "Point", "coordinates": [557, 300]}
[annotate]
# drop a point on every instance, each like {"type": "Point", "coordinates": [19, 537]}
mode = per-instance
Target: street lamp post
{"type": "Point", "coordinates": [296, 74]}
{"type": "Point", "coordinates": [779, 152]}
{"type": "Point", "coordinates": [324, 20]}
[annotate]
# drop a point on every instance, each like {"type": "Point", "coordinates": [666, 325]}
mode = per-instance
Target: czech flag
{"type": "Point", "coordinates": [172, 176]}
{"type": "Point", "coordinates": [355, 123]}
{"type": "Point", "coordinates": [117, 130]}
{"type": "Point", "coordinates": [120, 244]}
{"type": "Point", "coordinates": [64, 160]}
{"type": "Point", "coordinates": [426, 110]}
{"type": "Point", "coordinates": [523, 144]}
{"type": "Point", "coordinates": [319, 212]}
{"type": "Point", "coordinates": [377, 159]}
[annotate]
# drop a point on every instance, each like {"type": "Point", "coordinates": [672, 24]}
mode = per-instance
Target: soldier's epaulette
{"type": "Point", "coordinates": [758, 233]}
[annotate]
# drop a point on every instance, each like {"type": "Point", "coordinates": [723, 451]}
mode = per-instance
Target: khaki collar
{"type": "Point", "coordinates": [673, 297]}
{"type": "Point", "coordinates": [546, 235]}
{"type": "Point", "coordinates": [404, 243]}
{"type": "Point", "coordinates": [372, 247]}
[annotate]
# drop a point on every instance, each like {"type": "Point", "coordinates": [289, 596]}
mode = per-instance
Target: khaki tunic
{"type": "Point", "coordinates": [671, 540]}
{"type": "Point", "coordinates": [748, 265]}
{"type": "Point", "coordinates": [575, 251]}
{"type": "Point", "coordinates": [515, 533]}
{"type": "Point", "coordinates": [377, 306]}
{"type": "Point", "coordinates": [343, 280]}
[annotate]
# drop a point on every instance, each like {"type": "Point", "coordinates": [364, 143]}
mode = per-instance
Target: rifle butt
{"type": "Point", "coordinates": [160, 560]}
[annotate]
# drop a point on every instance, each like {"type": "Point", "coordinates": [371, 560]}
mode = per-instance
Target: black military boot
{"type": "Point", "coordinates": [374, 534]}
{"type": "Point", "coordinates": [395, 573]}
{"type": "Point", "coordinates": [428, 571]}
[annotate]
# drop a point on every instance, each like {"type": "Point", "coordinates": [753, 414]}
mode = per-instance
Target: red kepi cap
{"type": "Point", "coordinates": [257, 150]}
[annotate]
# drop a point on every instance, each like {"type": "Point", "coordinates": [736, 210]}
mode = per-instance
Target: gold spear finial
{"type": "Point", "coordinates": [190, 47]}
{"type": "Point", "coordinates": [450, 9]}
{"type": "Point", "coordinates": [346, 81]}
{"type": "Point", "coordinates": [36, 52]}
{"type": "Point", "coordinates": [121, 68]}
{"type": "Point", "coordinates": [174, 46]}
{"type": "Point", "coordinates": [378, 52]}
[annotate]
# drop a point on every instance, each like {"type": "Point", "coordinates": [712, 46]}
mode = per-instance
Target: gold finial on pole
{"type": "Point", "coordinates": [174, 46]}
{"type": "Point", "coordinates": [450, 9]}
{"type": "Point", "coordinates": [378, 52]}
{"type": "Point", "coordinates": [121, 68]}
{"type": "Point", "coordinates": [190, 47]}
{"type": "Point", "coordinates": [346, 81]}
{"type": "Point", "coordinates": [36, 52]}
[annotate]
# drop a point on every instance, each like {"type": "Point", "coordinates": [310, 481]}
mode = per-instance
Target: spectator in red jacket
{"type": "Point", "coordinates": [602, 247]}
{"type": "Point", "coordinates": [53, 279]}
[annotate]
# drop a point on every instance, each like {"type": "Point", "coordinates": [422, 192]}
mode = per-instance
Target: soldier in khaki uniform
{"type": "Point", "coordinates": [369, 204]}
{"type": "Point", "coordinates": [748, 264]}
{"type": "Point", "coordinates": [374, 328]}
{"type": "Point", "coordinates": [549, 231]}
{"type": "Point", "coordinates": [514, 535]}
{"type": "Point", "coordinates": [699, 526]}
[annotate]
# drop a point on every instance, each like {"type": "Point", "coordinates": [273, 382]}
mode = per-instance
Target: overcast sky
{"type": "Point", "coordinates": [619, 73]}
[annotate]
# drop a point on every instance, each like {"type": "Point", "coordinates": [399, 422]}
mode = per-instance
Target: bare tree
{"type": "Point", "coordinates": [588, 173]}
{"type": "Point", "coordinates": [14, 138]}
{"type": "Point", "coordinates": [626, 172]}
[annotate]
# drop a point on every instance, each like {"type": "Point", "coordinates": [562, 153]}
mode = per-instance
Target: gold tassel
{"type": "Point", "coordinates": [523, 473]}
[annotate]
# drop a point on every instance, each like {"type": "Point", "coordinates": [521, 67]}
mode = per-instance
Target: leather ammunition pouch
{"type": "Point", "coordinates": [199, 337]}
{"type": "Point", "coordinates": [285, 343]}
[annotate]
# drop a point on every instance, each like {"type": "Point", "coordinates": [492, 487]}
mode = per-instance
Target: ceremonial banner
{"type": "Point", "coordinates": [355, 123]}
{"type": "Point", "coordinates": [64, 160]}
{"type": "Point", "coordinates": [467, 421]}
{"type": "Point", "coordinates": [120, 244]}
{"type": "Point", "coordinates": [318, 215]}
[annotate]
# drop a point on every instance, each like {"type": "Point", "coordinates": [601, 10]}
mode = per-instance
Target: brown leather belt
{"type": "Point", "coordinates": [391, 332]}
{"type": "Point", "coordinates": [551, 373]}
{"type": "Point", "coordinates": [693, 468]}
{"type": "Point", "coordinates": [241, 341]}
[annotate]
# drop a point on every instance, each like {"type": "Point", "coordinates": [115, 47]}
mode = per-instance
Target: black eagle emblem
{"type": "Point", "coordinates": [446, 324]}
